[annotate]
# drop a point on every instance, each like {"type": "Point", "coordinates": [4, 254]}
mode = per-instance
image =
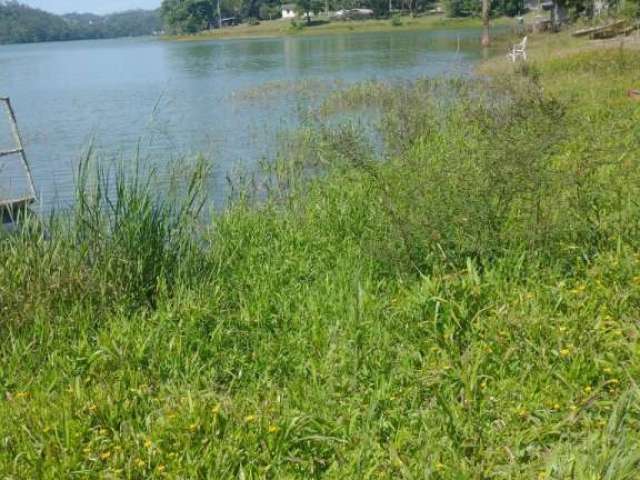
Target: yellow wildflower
{"type": "Point", "coordinates": [587, 389]}
{"type": "Point", "coordinates": [160, 468]}
{"type": "Point", "coordinates": [139, 462]}
{"type": "Point", "coordinates": [148, 443]}
{"type": "Point", "coordinates": [273, 429]}
{"type": "Point", "coordinates": [105, 455]}
{"type": "Point", "coordinates": [565, 352]}
{"type": "Point", "coordinates": [439, 466]}
{"type": "Point", "coordinates": [250, 418]}
{"type": "Point", "coordinates": [22, 395]}
{"type": "Point", "coordinates": [216, 410]}
{"type": "Point", "coordinates": [556, 406]}
{"type": "Point", "coordinates": [193, 427]}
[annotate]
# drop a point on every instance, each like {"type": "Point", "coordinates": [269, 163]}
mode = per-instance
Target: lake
{"type": "Point", "coordinates": [172, 100]}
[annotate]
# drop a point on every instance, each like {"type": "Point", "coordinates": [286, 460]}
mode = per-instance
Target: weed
{"type": "Point", "coordinates": [451, 295]}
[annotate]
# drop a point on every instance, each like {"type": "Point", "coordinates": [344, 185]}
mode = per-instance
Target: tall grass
{"type": "Point", "coordinates": [455, 296]}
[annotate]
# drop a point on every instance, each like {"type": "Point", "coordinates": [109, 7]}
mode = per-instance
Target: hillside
{"type": "Point", "coordinates": [23, 24]}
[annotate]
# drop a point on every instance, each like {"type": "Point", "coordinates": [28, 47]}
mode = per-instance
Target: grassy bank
{"type": "Point", "coordinates": [463, 305]}
{"type": "Point", "coordinates": [280, 28]}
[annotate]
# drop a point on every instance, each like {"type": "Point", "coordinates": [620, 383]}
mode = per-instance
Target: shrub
{"type": "Point", "coordinates": [296, 26]}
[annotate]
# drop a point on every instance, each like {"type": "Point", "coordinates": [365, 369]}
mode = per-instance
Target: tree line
{"type": "Point", "coordinates": [23, 24]}
{"type": "Point", "coordinates": [191, 16]}
{"type": "Point", "coordinates": [573, 8]}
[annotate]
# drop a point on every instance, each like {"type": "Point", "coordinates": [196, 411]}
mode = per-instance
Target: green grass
{"type": "Point", "coordinates": [279, 28]}
{"type": "Point", "coordinates": [460, 304]}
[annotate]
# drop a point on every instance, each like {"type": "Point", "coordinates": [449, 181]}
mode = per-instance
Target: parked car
{"type": "Point", "coordinates": [353, 14]}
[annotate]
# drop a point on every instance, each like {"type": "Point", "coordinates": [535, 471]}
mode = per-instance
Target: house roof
{"type": "Point", "coordinates": [288, 6]}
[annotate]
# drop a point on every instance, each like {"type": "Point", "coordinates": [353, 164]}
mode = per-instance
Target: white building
{"type": "Point", "coordinates": [289, 10]}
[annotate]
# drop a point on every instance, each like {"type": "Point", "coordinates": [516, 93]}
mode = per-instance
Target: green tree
{"type": "Point", "coordinates": [269, 12]}
{"type": "Point", "coordinates": [462, 8]}
{"type": "Point", "coordinates": [465, 8]}
{"type": "Point", "coordinates": [307, 7]}
{"type": "Point", "coordinates": [187, 16]}
{"type": "Point", "coordinates": [21, 24]}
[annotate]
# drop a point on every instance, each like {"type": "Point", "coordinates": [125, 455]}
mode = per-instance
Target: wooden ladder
{"type": "Point", "coordinates": [10, 208]}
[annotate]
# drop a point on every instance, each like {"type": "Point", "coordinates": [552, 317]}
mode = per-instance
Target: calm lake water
{"type": "Point", "coordinates": [172, 100]}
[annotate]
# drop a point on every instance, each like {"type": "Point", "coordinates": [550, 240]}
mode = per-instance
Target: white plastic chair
{"type": "Point", "coordinates": [519, 50]}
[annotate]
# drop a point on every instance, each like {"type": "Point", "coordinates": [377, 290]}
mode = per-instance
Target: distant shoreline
{"type": "Point", "coordinates": [21, 24]}
{"type": "Point", "coordinates": [283, 28]}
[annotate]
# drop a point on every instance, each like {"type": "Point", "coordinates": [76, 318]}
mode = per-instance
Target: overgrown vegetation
{"type": "Point", "coordinates": [459, 300]}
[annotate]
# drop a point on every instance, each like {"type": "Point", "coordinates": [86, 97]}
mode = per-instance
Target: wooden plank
{"type": "Point", "coordinates": [11, 209]}
{"type": "Point", "coordinates": [602, 28]}
{"type": "Point", "coordinates": [23, 201]}
{"type": "Point", "coordinates": [10, 152]}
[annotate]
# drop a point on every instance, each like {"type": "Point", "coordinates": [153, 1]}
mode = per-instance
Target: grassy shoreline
{"type": "Point", "coordinates": [465, 306]}
{"type": "Point", "coordinates": [282, 28]}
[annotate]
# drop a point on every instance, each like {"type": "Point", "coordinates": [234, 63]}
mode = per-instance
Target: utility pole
{"type": "Point", "coordinates": [219, 16]}
{"type": "Point", "coordinates": [486, 12]}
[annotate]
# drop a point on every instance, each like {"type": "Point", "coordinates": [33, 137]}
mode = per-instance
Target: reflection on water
{"type": "Point", "coordinates": [175, 99]}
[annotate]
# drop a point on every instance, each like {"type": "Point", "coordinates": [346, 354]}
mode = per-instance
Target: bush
{"type": "Point", "coordinates": [461, 8]}
{"type": "Point", "coordinates": [480, 177]}
{"type": "Point", "coordinates": [296, 26]}
{"type": "Point", "coordinates": [630, 9]}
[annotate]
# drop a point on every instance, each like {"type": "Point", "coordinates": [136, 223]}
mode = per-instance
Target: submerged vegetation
{"type": "Point", "coordinates": [460, 302]}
